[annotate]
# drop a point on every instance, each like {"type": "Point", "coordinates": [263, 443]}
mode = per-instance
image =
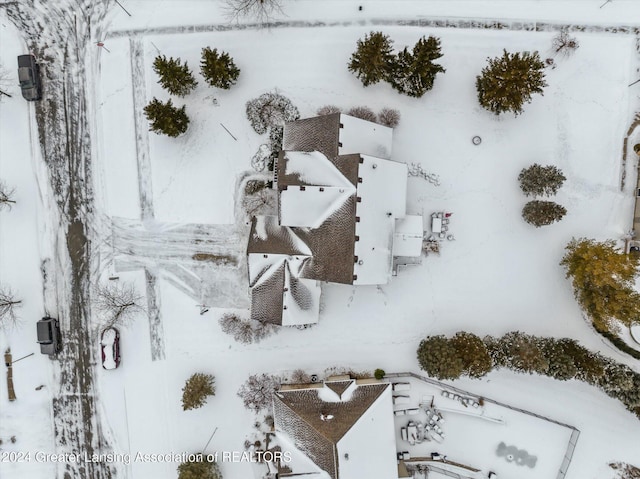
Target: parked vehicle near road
{"type": "Point", "coordinates": [110, 347]}
{"type": "Point", "coordinates": [48, 331]}
{"type": "Point", "coordinates": [29, 77]}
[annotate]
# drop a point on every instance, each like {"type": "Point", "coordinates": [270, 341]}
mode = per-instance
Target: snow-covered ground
{"type": "Point", "coordinates": [499, 274]}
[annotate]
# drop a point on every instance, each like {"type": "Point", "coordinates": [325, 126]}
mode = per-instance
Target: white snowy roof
{"type": "Point", "coordinates": [298, 311]}
{"type": "Point", "coordinates": [407, 239]}
{"type": "Point", "coordinates": [364, 137]}
{"type": "Point", "coordinates": [324, 192]}
{"type": "Point", "coordinates": [370, 444]}
{"type": "Point", "coordinates": [383, 193]}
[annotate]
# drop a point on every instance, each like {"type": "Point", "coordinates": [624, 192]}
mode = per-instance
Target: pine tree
{"type": "Point", "coordinates": [175, 77]}
{"type": "Point", "coordinates": [439, 357]}
{"type": "Point", "coordinates": [476, 361]}
{"type": "Point", "coordinates": [522, 353]}
{"type": "Point", "coordinates": [413, 73]}
{"type": "Point", "coordinates": [561, 363]}
{"type": "Point", "coordinates": [508, 82]}
{"type": "Point", "coordinates": [538, 180]}
{"type": "Point", "coordinates": [166, 118]}
{"type": "Point", "coordinates": [202, 469]}
{"type": "Point", "coordinates": [373, 59]}
{"type": "Point", "coordinates": [541, 213]}
{"type": "Point", "coordinates": [589, 366]}
{"type": "Point", "coordinates": [603, 281]}
{"type": "Point", "coordinates": [218, 69]}
{"type": "Point", "coordinates": [196, 390]}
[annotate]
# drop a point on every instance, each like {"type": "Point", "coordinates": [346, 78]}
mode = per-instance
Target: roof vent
{"type": "Point", "coordinates": [360, 262]}
{"type": "Point", "coordinates": [374, 166]}
{"type": "Point", "coordinates": [326, 417]}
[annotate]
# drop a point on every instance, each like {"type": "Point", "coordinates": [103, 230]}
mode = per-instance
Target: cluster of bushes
{"type": "Point", "coordinates": [538, 180]}
{"type": "Point", "coordinates": [387, 116]}
{"type": "Point", "coordinates": [245, 331]}
{"type": "Point", "coordinates": [217, 68]}
{"type": "Point", "coordinates": [268, 113]}
{"type": "Point", "coordinates": [202, 467]}
{"type": "Point", "coordinates": [466, 354]}
{"type": "Point", "coordinates": [411, 73]}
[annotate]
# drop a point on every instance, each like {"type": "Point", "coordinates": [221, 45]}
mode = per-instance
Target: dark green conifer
{"type": "Point", "coordinates": [218, 69]}
{"type": "Point", "coordinates": [166, 118]}
{"type": "Point", "coordinates": [175, 77]}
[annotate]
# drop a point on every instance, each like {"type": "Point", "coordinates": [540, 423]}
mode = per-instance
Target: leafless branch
{"type": "Point", "coordinates": [565, 44]}
{"type": "Point", "coordinates": [118, 303]}
{"type": "Point", "coordinates": [262, 11]}
{"type": "Point", "coordinates": [6, 196]}
{"type": "Point", "coordinates": [5, 82]}
{"type": "Point", "coordinates": [8, 305]}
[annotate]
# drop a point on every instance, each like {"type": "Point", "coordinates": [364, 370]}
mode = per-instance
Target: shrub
{"type": "Point", "coordinates": [175, 77]}
{"type": "Point", "coordinates": [218, 69]}
{"type": "Point", "coordinates": [542, 213]}
{"type": "Point", "coordinates": [373, 59]}
{"type": "Point", "coordinates": [540, 180]}
{"type": "Point", "coordinates": [522, 353]}
{"type": "Point", "coordinates": [199, 469]}
{"type": "Point", "coordinates": [379, 373]}
{"type": "Point", "coordinates": [196, 390]}
{"type": "Point", "coordinates": [257, 392]}
{"type": "Point", "coordinates": [270, 110]}
{"type": "Point", "coordinates": [299, 376]}
{"type": "Point", "coordinates": [439, 358]}
{"type": "Point", "coordinates": [166, 118]}
{"type": "Point", "coordinates": [389, 117]}
{"type": "Point", "coordinates": [251, 187]}
{"type": "Point", "coordinates": [328, 110]}
{"type": "Point", "coordinates": [476, 361]}
{"type": "Point", "coordinates": [363, 112]}
{"type": "Point", "coordinates": [508, 82]}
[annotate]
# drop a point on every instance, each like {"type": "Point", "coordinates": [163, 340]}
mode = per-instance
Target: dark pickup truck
{"type": "Point", "coordinates": [49, 336]}
{"type": "Point", "coordinates": [29, 77]}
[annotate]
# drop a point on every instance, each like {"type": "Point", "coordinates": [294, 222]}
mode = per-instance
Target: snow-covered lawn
{"type": "Point", "coordinates": [499, 274]}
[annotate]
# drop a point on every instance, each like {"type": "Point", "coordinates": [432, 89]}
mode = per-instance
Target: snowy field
{"type": "Point", "coordinates": [499, 275]}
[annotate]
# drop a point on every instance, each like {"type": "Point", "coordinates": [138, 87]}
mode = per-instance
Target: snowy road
{"type": "Point", "coordinates": [59, 34]}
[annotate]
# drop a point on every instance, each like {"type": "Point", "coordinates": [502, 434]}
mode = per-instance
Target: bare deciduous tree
{"type": "Point", "coordinates": [299, 376]}
{"type": "Point", "coordinates": [8, 305]}
{"type": "Point", "coordinates": [118, 302]}
{"type": "Point", "coordinates": [259, 203]}
{"type": "Point", "coordinates": [565, 44]}
{"type": "Point", "coordinates": [261, 10]}
{"type": "Point", "coordinates": [257, 391]}
{"type": "Point", "coordinates": [6, 196]}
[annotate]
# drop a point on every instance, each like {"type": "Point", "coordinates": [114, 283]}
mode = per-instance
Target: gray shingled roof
{"type": "Point", "coordinates": [298, 413]}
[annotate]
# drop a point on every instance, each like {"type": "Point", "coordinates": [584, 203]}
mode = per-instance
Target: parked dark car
{"type": "Point", "coordinates": [110, 346]}
{"type": "Point", "coordinates": [48, 330]}
{"type": "Point", "coordinates": [29, 77]}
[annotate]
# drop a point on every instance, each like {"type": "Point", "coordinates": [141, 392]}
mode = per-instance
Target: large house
{"type": "Point", "coordinates": [344, 426]}
{"type": "Point", "coordinates": [341, 217]}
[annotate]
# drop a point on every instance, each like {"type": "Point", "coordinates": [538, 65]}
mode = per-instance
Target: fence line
{"type": "Point", "coordinates": [575, 433]}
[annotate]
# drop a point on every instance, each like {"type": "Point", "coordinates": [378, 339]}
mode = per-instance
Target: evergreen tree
{"type": "Point", "coordinates": [508, 82]}
{"type": "Point", "coordinates": [540, 180]}
{"type": "Point", "coordinates": [413, 73]}
{"type": "Point", "coordinates": [199, 470]}
{"type": "Point", "coordinates": [541, 213]}
{"type": "Point", "coordinates": [589, 366]}
{"type": "Point", "coordinates": [561, 363]}
{"type": "Point", "coordinates": [522, 353]}
{"type": "Point", "coordinates": [439, 358]}
{"type": "Point", "coordinates": [196, 390]}
{"type": "Point", "coordinates": [373, 59]}
{"type": "Point", "coordinates": [476, 361]}
{"type": "Point", "coordinates": [166, 118]}
{"type": "Point", "coordinates": [603, 281]}
{"type": "Point", "coordinates": [218, 69]}
{"type": "Point", "coordinates": [175, 77]}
